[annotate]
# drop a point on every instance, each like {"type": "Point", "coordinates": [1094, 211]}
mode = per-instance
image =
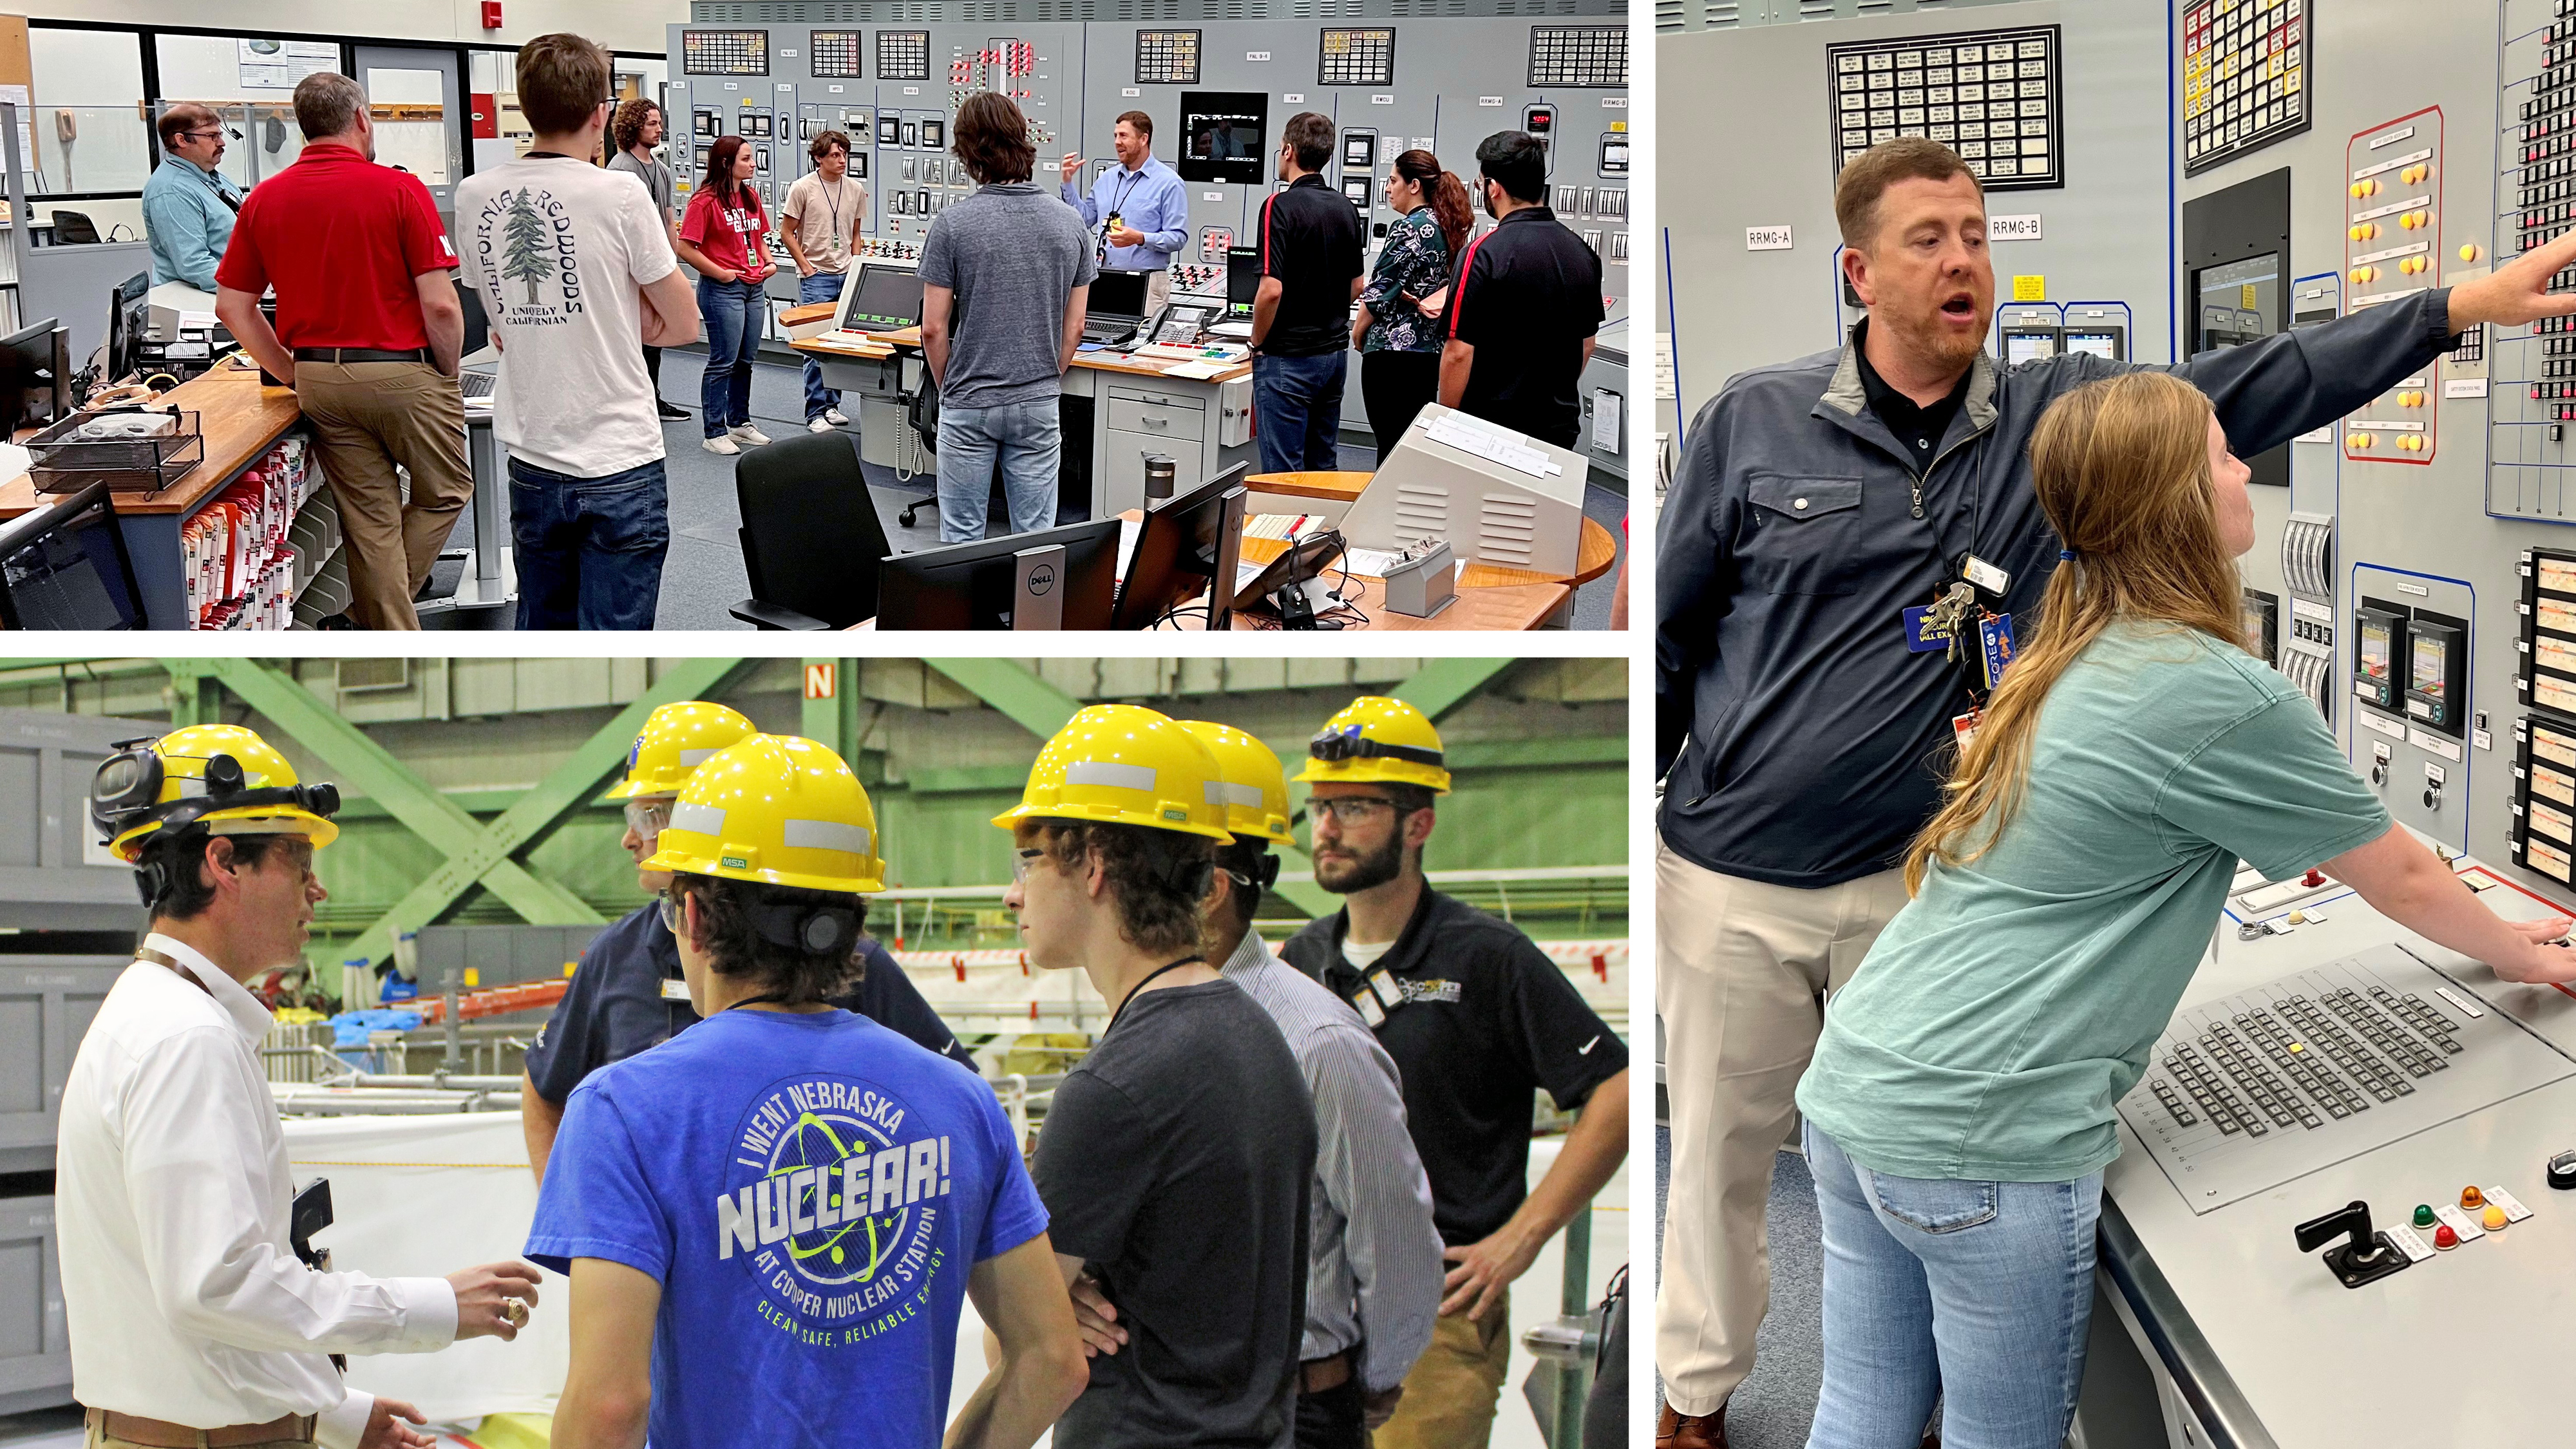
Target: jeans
{"type": "Point", "coordinates": [734, 312]}
{"type": "Point", "coordinates": [1028, 439]}
{"type": "Point", "coordinates": [589, 549]}
{"type": "Point", "coordinates": [1978, 1291]}
{"type": "Point", "coordinates": [820, 287]}
{"type": "Point", "coordinates": [1297, 411]}
{"type": "Point", "coordinates": [1336, 1418]}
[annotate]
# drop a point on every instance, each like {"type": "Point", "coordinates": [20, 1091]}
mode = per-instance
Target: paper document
{"type": "Point", "coordinates": [1371, 561]}
{"type": "Point", "coordinates": [1605, 420]}
{"type": "Point", "coordinates": [1196, 371]}
{"type": "Point", "coordinates": [1494, 445]}
{"type": "Point", "coordinates": [1128, 528]}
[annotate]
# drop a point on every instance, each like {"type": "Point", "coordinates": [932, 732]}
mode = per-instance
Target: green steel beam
{"type": "Point", "coordinates": [569, 787]}
{"type": "Point", "coordinates": [1030, 702]}
{"type": "Point", "coordinates": [195, 697]}
{"type": "Point", "coordinates": [1444, 684]}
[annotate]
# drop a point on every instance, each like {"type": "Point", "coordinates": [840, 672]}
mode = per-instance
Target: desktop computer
{"type": "Point", "coordinates": [1188, 546]}
{"type": "Point", "coordinates": [1056, 578]}
{"type": "Point", "coordinates": [64, 566]}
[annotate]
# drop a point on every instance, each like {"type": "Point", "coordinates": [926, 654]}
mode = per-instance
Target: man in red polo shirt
{"type": "Point", "coordinates": [368, 326]}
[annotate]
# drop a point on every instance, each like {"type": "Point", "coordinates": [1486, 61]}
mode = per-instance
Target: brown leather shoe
{"type": "Point", "coordinates": [1690, 1431]}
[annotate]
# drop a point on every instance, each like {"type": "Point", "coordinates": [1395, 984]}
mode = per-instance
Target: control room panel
{"type": "Point", "coordinates": [1218, 92]}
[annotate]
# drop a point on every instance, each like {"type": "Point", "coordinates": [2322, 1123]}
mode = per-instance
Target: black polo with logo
{"type": "Point", "coordinates": [1310, 241]}
{"type": "Point", "coordinates": [1529, 292]}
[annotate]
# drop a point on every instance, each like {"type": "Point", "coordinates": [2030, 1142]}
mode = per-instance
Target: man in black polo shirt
{"type": "Point", "coordinates": [1301, 318]}
{"type": "Point", "coordinates": [1477, 1018]}
{"type": "Point", "coordinates": [628, 994]}
{"type": "Point", "coordinates": [1527, 305]}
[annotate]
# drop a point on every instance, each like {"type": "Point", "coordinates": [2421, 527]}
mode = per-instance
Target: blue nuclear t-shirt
{"type": "Point", "coordinates": [811, 1191]}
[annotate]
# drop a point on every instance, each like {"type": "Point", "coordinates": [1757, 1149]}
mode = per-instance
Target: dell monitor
{"type": "Point", "coordinates": [64, 566]}
{"type": "Point", "coordinates": [129, 317]}
{"type": "Point", "coordinates": [887, 299]}
{"type": "Point", "coordinates": [35, 386]}
{"type": "Point", "coordinates": [1056, 578]}
{"type": "Point", "coordinates": [1188, 546]}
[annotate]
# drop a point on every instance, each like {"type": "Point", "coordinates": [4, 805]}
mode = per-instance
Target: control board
{"type": "Point", "coordinates": [2259, 1089]}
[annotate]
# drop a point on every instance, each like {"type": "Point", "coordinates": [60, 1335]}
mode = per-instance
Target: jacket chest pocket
{"type": "Point", "coordinates": [1801, 535]}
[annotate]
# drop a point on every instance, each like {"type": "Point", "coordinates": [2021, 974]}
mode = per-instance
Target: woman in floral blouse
{"type": "Point", "coordinates": [1398, 331]}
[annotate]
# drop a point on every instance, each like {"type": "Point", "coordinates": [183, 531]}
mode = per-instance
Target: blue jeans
{"type": "Point", "coordinates": [820, 287]}
{"type": "Point", "coordinates": [1027, 438]}
{"type": "Point", "coordinates": [734, 312]}
{"type": "Point", "coordinates": [1978, 1291]}
{"type": "Point", "coordinates": [589, 549]}
{"type": "Point", "coordinates": [1297, 411]}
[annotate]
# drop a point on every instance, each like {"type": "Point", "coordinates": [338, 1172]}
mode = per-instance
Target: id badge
{"type": "Point", "coordinates": [675, 990]}
{"type": "Point", "coordinates": [1963, 727]}
{"type": "Point", "coordinates": [1365, 1002]}
{"type": "Point", "coordinates": [1984, 575]}
{"type": "Point", "coordinates": [1389, 995]}
{"type": "Point", "coordinates": [1921, 637]}
{"type": "Point", "coordinates": [1995, 644]}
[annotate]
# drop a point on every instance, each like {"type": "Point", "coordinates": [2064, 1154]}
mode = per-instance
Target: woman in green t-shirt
{"type": "Point", "coordinates": [1959, 1109]}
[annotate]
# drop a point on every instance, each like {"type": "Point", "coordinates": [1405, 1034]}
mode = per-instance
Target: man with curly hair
{"type": "Point", "coordinates": [637, 129]}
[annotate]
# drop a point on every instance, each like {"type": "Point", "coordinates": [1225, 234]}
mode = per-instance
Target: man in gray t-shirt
{"type": "Point", "coordinates": [637, 129]}
{"type": "Point", "coordinates": [1006, 274]}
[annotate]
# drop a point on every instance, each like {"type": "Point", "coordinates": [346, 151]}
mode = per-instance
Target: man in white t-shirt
{"type": "Point", "coordinates": [825, 209]}
{"type": "Point", "coordinates": [577, 275]}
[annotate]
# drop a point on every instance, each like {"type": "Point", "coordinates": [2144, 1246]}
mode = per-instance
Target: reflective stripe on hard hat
{"type": "Point", "coordinates": [1110, 773]}
{"type": "Point", "coordinates": [824, 835]}
{"type": "Point", "coordinates": [1224, 792]}
{"type": "Point", "coordinates": [704, 819]}
{"type": "Point", "coordinates": [694, 758]}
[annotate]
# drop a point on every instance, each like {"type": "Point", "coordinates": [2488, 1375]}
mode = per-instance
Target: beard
{"type": "Point", "coordinates": [1935, 345]}
{"type": "Point", "coordinates": [1362, 872]}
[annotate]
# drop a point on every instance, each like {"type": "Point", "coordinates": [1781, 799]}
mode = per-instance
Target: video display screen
{"type": "Point", "coordinates": [1221, 136]}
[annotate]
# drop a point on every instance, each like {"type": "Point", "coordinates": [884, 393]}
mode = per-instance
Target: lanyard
{"type": "Point", "coordinates": [832, 200]}
{"type": "Point", "coordinates": [1140, 987]}
{"type": "Point", "coordinates": [183, 973]}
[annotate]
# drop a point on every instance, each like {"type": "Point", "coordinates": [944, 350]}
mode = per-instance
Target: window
{"type": "Point", "coordinates": [250, 81]}
{"type": "Point", "coordinates": [85, 120]}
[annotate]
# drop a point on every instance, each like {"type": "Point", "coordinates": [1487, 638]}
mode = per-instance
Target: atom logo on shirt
{"type": "Point", "coordinates": [832, 1211]}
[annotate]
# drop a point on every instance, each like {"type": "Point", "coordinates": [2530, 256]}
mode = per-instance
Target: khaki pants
{"type": "Point", "coordinates": [1739, 968]}
{"type": "Point", "coordinates": [1450, 1396]}
{"type": "Point", "coordinates": [367, 417]}
{"type": "Point", "coordinates": [1158, 290]}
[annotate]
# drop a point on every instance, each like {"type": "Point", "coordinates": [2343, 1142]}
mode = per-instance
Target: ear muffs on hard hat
{"type": "Point", "coordinates": [775, 810]}
{"type": "Point", "coordinates": [221, 777]}
{"type": "Point", "coordinates": [1377, 740]}
{"type": "Point", "coordinates": [1254, 782]}
{"type": "Point", "coordinates": [675, 740]}
{"type": "Point", "coordinates": [1123, 764]}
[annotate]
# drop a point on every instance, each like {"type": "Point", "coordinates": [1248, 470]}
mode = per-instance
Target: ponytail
{"type": "Point", "coordinates": [1446, 194]}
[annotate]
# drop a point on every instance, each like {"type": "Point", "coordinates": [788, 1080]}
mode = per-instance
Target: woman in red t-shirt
{"type": "Point", "coordinates": [725, 235]}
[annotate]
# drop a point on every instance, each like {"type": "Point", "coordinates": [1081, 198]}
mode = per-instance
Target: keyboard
{"type": "Point", "coordinates": [1109, 334]}
{"type": "Point", "coordinates": [476, 384]}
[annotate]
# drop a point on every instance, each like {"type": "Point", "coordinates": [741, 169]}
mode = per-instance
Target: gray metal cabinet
{"type": "Point", "coordinates": [35, 1346]}
{"type": "Point", "coordinates": [46, 1006]}
{"type": "Point", "coordinates": [53, 876]}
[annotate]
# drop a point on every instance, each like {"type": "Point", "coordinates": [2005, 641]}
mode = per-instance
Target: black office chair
{"type": "Point", "coordinates": [74, 229]}
{"type": "Point", "coordinates": [811, 540]}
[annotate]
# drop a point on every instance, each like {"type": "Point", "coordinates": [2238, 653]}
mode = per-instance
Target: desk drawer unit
{"type": "Point", "coordinates": [1178, 419]}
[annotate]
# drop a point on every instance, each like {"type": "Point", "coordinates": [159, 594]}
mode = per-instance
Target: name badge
{"type": "Point", "coordinates": [675, 991]}
{"type": "Point", "coordinates": [1984, 575]}
{"type": "Point", "coordinates": [1365, 1002]}
{"type": "Point", "coordinates": [1963, 727]}
{"type": "Point", "coordinates": [1921, 636]}
{"type": "Point", "coordinates": [1995, 642]}
{"type": "Point", "coordinates": [1382, 981]}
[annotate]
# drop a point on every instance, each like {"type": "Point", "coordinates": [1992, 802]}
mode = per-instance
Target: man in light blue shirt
{"type": "Point", "coordinates": [188, 205]}
{"type": "Point", "coordinates": [1137, 208]}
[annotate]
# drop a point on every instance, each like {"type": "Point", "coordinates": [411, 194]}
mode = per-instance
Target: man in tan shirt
{"type": "Point", "coordinates": [824, 209]}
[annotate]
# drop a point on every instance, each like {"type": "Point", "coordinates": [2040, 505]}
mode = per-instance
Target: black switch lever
{"type": "Point", "coordinates": [2365, 1258]}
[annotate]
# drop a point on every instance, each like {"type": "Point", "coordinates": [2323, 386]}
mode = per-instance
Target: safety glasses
{"type": "Point", "coordinates": [648, 818]}
{"type": "Point", "coordinates": [1348, 809]}
{"type": "Point", "coordinates": [1021, 861]}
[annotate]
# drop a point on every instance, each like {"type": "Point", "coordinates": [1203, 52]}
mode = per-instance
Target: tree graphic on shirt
{"type": "Point", "coordinates": [526, 253]}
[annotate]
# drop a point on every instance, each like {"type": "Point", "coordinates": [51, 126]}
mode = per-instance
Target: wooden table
{"type": "Point", "coordinates": [1595, 550]}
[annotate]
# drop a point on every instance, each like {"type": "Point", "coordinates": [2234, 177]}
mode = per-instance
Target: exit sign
{"type": "Point", "coordinates": [822, 681]}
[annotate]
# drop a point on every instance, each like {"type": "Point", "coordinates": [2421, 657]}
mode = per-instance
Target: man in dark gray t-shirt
{"type": "Point", "coordinates": [1005, 277]}
{"type": "Point", "coordinates": [637, 129]}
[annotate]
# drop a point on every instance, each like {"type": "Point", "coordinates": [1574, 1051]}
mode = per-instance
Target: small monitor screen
{"type": "Point", "coordinates": [1221, 136]}
{"type": "Point", "coordinates": [1117, 293]}
{"type": "Point", "coordinates": [2431, 651]}
{"type": "Point", "coordinates": [2375, 645]}
{"type": "Point", "coordinates": [2022, 347]}
{"type": "Point", "coordinates": [1242, 280]}
{"type": "Point", "coordinates": [2098, 344]}
{"type": "Point", "coordinates": [888, 300]}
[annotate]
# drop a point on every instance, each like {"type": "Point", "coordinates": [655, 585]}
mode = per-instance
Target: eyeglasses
{"type": "Point", "coordinates": [202, 135]}
{"type": "Point", "coordinates": [1020, 863]}
{"type": "Point", "coordinates": [673, 914]}
{"type": "Point", "coordinates": [1349, 809]}
{"type": "Point", "coordinates": [648, 818]}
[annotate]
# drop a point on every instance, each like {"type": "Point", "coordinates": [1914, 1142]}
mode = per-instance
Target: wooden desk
{"type": "Point", "coordinates": [1203, 424]}
{"type": "Point", "coordinates": [1488, 598]}
{"type": "Point", "coordinates": [1595, 550]}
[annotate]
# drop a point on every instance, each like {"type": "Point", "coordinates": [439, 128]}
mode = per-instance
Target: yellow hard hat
{"type": "Point", "coordinates": [222, 777]}
{"type": "Point", "coordinates": [1123, 764]}
{"type": "Point", "coordinates": [1256, 786]}
{"type": "Point", "coordinates": [777, 810]}
{"type": "Point", "coordinates": [676, 739]}
{"type": "Point", "coordinates": [1377, 741]}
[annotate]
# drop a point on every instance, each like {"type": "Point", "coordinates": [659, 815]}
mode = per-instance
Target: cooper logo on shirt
{"type": "Point", "coordinates": [832, 1211]}
{"type": "Point", "coordinates": [524, 240]}
{"type": "Point", "coordinates": [1432, 990]}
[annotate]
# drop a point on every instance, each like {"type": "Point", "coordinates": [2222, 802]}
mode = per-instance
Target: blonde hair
{"type": "Point", "coordinates": [2121, 468]}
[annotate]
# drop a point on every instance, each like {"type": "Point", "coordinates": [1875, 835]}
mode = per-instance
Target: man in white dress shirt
{"type": "Point", "coordinates": [193, 1321]}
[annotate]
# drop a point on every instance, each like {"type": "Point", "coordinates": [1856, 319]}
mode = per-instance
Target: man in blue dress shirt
{"type": "Point", "coordinates": [188, 205]}
{"type": "Point", "coordinates": [1137, 207]}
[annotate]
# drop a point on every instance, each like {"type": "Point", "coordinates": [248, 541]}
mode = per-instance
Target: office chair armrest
{"type": "Point", "coordinates": [773, 616]}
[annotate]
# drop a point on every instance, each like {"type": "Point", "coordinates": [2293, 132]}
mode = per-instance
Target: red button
{"type": "Point", "coordinates": [2313, 879]}
{"type": "Point", "coordinates": [2444, 1238]}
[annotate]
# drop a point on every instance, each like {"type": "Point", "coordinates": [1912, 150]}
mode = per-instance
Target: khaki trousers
{"type": "Point", "coordinates": [1740, 968]}
{"type": "Point", "coordinates": [1454, 1388]}
{"type": "Point", "coordinates": [1158, 290]}
{"type": "Point", "coordinates": [368, 417]}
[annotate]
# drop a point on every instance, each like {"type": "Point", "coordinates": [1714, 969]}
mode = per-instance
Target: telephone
{"type": "Point", "coordinates": [1181, 322]}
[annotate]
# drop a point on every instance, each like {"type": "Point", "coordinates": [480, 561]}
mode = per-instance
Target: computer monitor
{"type": "Point", "coordinates": [129, 318]}
{"type": "Point", "coordinates": [1118, 293]}
{"type": "Point", "coordinates": [478, 330]}
{"type": "Point", "coordinates": [1242, 282]}
{"type": "Point", "coordinates": [1056, 578]}
{"type": "Point", "coordinates": [64, 566]}
{"type": "Point", "coordinates": [887, 299]}
{"type": "Point", "coordinates": [32, 384]}
{"type": "Point", "coordinates": [1189, 545]}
